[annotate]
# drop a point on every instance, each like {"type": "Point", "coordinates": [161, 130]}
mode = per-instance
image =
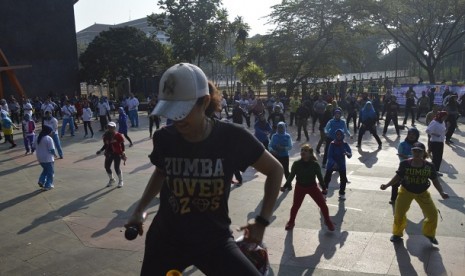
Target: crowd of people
{"type": "Point", "coordinates": [192, 164]}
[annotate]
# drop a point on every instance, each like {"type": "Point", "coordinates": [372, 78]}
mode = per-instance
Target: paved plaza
{"type": "Point", "coordinates": [77, 228]}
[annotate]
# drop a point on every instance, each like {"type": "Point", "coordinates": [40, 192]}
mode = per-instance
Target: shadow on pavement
{"type": "Point", "coordinates": [19, 168]}
{"type": "Point", "coordinates": [12, 202]}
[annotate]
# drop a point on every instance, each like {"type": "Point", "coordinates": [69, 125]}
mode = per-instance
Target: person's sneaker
{"type": "Point", "coordinates": [318, 151]}
{"type": "Point", "coordinates": [48, 188]}
{"type": "Point", "coordinates": [395, 238]}
{"type": "Point", "coordinates": [130, 145]}
{"type": "Point", "coordinates": [380, 146]}
{"type": "Point", "coordinates": [27, 152]}
{"type": "Point", "coordinates": [40, 184]}
{"type": "Point", "coordinates": [111, 182]}
{"type": "Point", "coordinates": [13, 146]}
{"type": "Point", "coordinates": [120, 184]}
{"type": "Point", "coordinates": [289, 226]}
{"type": "Point", "coordinates": [433, 240]}
{"type": "Point", "coordinates": [298, 139]}
{"type": "Point", "coordinates": [358, 145]}
{"type": "Point", "coordinates": [342, 197]}
{"type": "Point", "coordinates": [286, 188]}
{"type": "Point", "coordinates": [392, 202]}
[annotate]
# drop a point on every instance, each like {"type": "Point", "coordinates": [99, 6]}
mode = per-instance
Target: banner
{"type": "Point", "coordinates": [399, 92]}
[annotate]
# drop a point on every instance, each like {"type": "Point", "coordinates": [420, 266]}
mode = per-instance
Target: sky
{"type": "Point", "coordinates": [88, 12]}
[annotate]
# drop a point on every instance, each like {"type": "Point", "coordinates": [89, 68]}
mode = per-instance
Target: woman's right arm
{"type": "Point", "coordinates": [151, 190]}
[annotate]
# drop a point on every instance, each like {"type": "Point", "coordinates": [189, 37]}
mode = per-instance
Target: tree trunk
{"type": "Point", "coordinates": [432, 78]}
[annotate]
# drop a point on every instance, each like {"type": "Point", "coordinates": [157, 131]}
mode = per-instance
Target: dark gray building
{"type": "Point", "coordinates": [42, 34]}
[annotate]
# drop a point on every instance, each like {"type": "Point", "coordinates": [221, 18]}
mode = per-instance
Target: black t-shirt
{"type": "Point", "coordinates": [193, 209]}
{"type": "Point", "coordinates": [416, 180]}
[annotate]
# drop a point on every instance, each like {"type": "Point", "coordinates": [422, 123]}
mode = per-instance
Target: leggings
{"type": "Point", "coordinates": [430, 212]}
{"type": "Point", "coordinates": [299, 194]}
{"type": "Point", "coordinates": [342, 174]}
{"type": "Point", "coordinates": [127, 137]}
{"type": "Point", "coordinates": [224, 259]}
{"type": "Point", "coordinates": [109, 158]}
{"type": "Point", "coordinates": [87, 124]}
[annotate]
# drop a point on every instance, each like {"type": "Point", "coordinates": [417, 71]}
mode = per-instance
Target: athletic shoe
{"type": "Point", "coordinates": [111, 182]}
{"type": "Point", "coordinates": [289, 226]}
{"type": "Point", "coordinates": [130, 145]}
{"type": "Point", "coordinates": [433, 240]}
{"type": "Point", "coordinates": [392, 202]}
{"type": "Point", "coordinates": [48, 188]}
{"type": "Point", "coordinates": [395, 238]}
{"type": "Point", "coordinates": [342, 197]}
{"type": "Point", "coordinates": [13, 146]}
{"type": "Point", "coordinates": [379, 146]}
{"type": "Point", "coordinates": [40, 184]}
{"type": "Point", "coordinates": [120, 184]}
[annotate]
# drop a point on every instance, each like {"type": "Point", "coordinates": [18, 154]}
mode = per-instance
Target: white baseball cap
{"type": "Point", "coordinates": [180, 87]}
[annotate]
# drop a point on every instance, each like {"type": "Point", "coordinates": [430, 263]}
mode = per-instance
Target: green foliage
{"type": "Point", "coordinates": [426, 29]}
{"type": "Point", "coordinates": [310, 40]}
{"type": "Point", "coordinates": [122, 52]}
{"type": "Point", "coordinates": [194, 27]}
{"type": "Point", "coordinates": [251, 75]}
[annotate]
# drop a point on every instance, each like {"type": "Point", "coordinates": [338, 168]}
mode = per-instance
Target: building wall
{"type": "Point", "coordinates": [41, 34]}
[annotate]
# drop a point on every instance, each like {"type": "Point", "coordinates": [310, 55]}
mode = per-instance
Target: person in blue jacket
{"type": "Point", "coordinates": [262, 130]}
{"type": "Point", "coordinates": [123, 124]}
{"type": "Point", "coordinates": [337, 152]}
{"type": "Point", "coordinates": [280, 145]}
{"type": "Point", "coordinates": [368, 118]}
{"type": "Point", "coordinates": [330, 131]}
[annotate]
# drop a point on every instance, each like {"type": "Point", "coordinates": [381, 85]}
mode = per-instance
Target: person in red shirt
{"type": "Point", "coordinates": [113, 148]}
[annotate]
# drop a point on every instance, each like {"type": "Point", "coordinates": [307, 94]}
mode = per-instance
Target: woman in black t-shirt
{"type": "Point", "coordinates": [195, 159]}
{"type": "Point", "coordinates": [415, 174]}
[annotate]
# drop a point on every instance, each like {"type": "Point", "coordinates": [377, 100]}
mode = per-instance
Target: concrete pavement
{"type": "Point", "coordinates": [77, 228]}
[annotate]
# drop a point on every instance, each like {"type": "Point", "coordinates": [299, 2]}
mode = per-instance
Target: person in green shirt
{"type": "Point", "coordinates": [306, 170]}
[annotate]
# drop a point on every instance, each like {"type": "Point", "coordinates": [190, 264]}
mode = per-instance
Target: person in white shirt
{"type": "Point", "coordinates": [45, 151]}
{"type": "Point", "coordinates": [437, 131]}
{"type": "Point", "coordinates": [27, 107]}
{"type": "Point", "coordinates": [86, 116]}
{"type": "Point", "coordinates": [52, 122]}
{"type": "Point", "coordinates": [68, 112]}
{"type": "Point", "coordinates": [133, 107]}
{"type": "Point", "coordinates": [103, 110]}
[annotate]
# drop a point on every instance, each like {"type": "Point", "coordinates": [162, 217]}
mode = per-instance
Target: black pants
{"type": "Point", "coordinates": [325, 155]}
{"type": "Point", "coordinates": [421, 110]}
{"type": "Point", "coordinates": [301, 123]}
{"type": "Point", "coordinates": [342, 174]}
{"type": "Point", "coordinates": [284, 160]}
{"type": "Point", "coordinates": [388, 120]}
{"type": "Point", "coordinates": [103, 122]}
{"type": "Point", "coordinates": [127, 137]}
{"type": "Point", "coordinates": [395, 191]}
{"type": "Point", "coordinates": [160, 256]}
{"type": "Point", "coordinates": [110, 158]}
{"type": "Point", "coordinates": [292, 117]}
{"type": "Point", "coordinates": [372, 130]}
{"type": "Point", "coordinates": [451, 126]}
{"type": "Point", "coordinates": [437, 150]}
{"type": "Point", "coordinates": [87, 124]}
{"type": "Point", "coordinates": [152, 120]}
{"type": "Point", "coordinates": [352, 115]}
{"type": "Point", "coordinates": [411, 110]}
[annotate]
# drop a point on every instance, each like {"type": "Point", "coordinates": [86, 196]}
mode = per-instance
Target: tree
{"type": "Point", "coordinates": [122, 52]}
{"type": "Point", "coordinates": [194, 27]}
{"type": "Point", "coordinates": [311, 37]}
{"type": "Point", "coordinates": [426, 29]}
{"type": "Point", "coordinates": [252, 75]}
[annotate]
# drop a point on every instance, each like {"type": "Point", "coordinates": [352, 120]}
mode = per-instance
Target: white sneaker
{"type": "Point", "coordinates": [111, 182]}
{"type": "Point", "coordinates": [342, 197]}
{"type": "Point", "coordinates": [120, 184]}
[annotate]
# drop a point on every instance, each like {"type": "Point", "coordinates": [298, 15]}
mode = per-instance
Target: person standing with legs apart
{"type": "Point", "coordinates": [86, 117]}
{"type": "Point", "coordinates": [392, 108]}
{"type": "Point", "coordinates": [29, 126]}
{"type": "Point", "coordinates": [410, 97]}
{"type": "Point", "coordinates": [280, 145]}
{"type": "Point", "coordinates": [192, 226]}
{"type": "Point", "coordinates": [368, 120]}
{"type": "Point", "coordinates": [437, 133]}
{"type": "Point", "coordinates": [133, 107]}
{"type": "Point", "coordinates": [330, 131]}
{"type": "Point", "coordinates": [337, 152]}
{"type": "Point", "coordinates": [52, 122]}
{"type": "Point", "coordinates": [415, 175]}
{"type": "Point", "coordinates": [306, 169]}
{"type": "Point", "coordinates": [404, 152]}
{"type": "Point", "coordinates": [301, 119]}
{"type": "Point", "coordinates": [45, 155]}
{"type": "Point", "coordinates": [68, 114]}
{"type": "Point", "coordinates": [113, 148]}
{"type": "Point", "coordinates": [103, 111]}
{"type": "Point", "coordinates": [123, 125]}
